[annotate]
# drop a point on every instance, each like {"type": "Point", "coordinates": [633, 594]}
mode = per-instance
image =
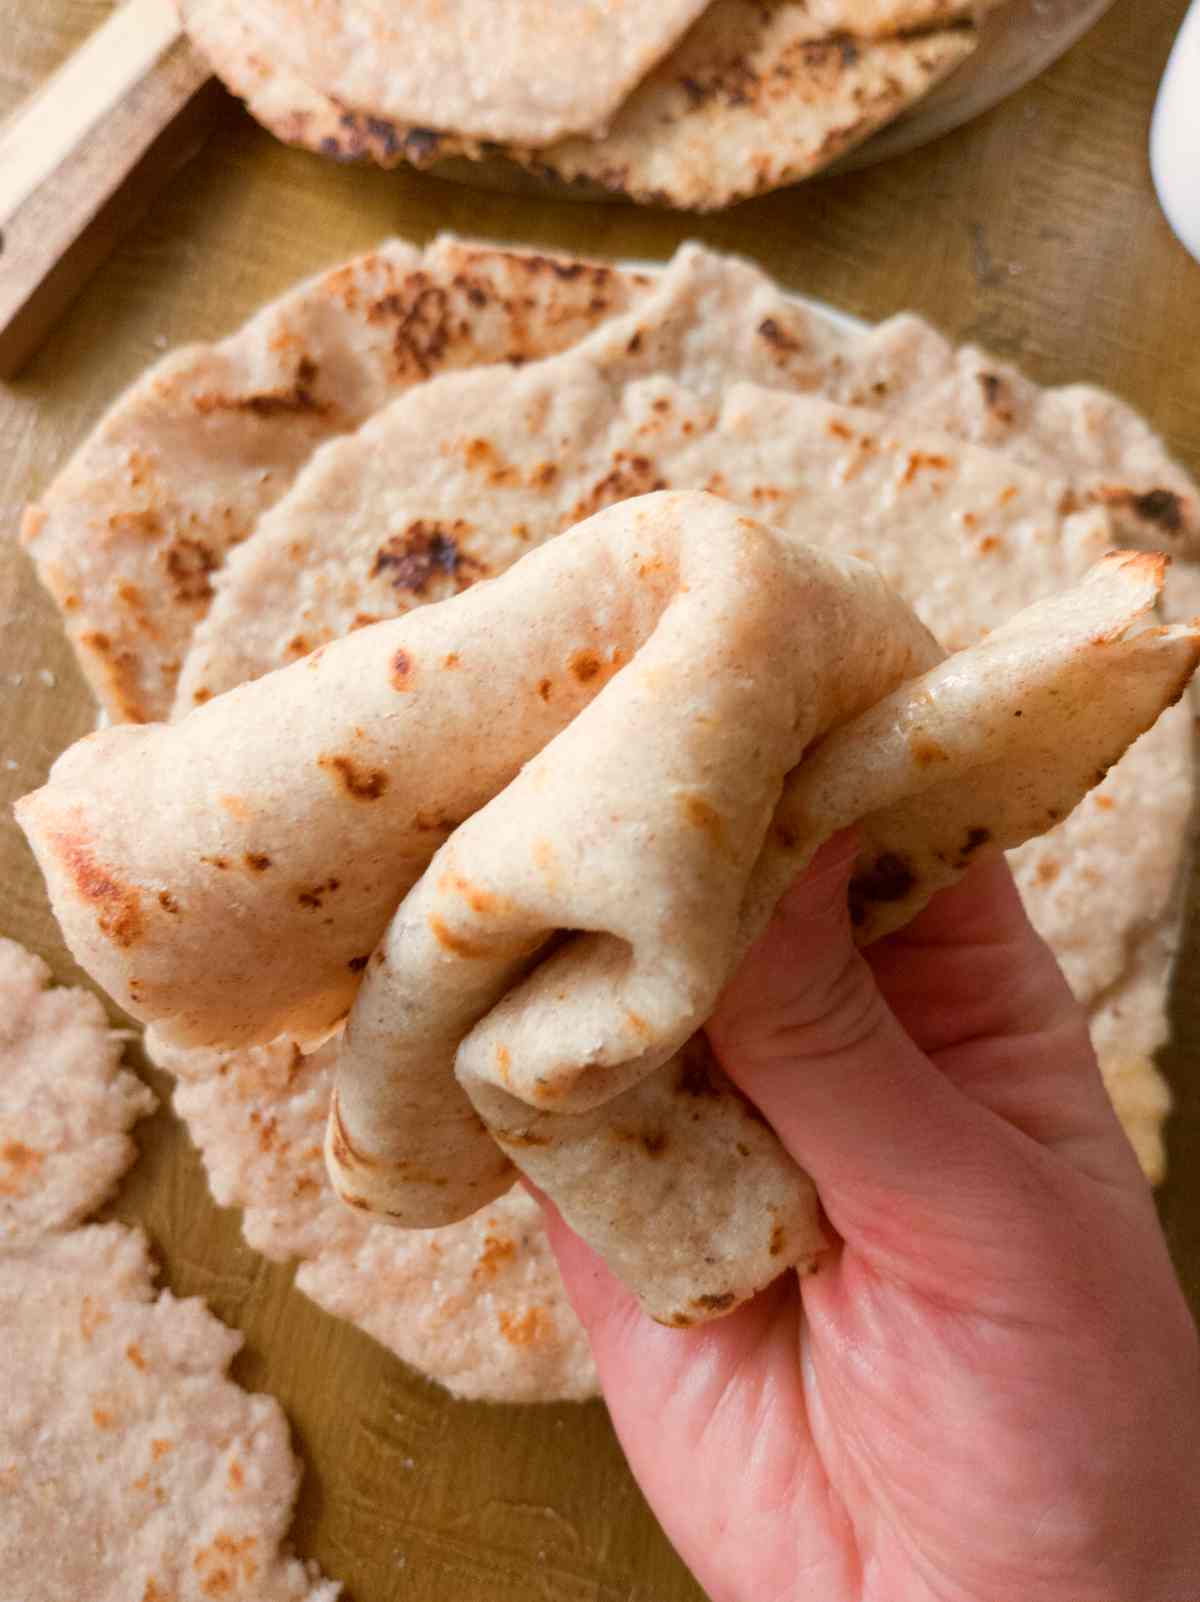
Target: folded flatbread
{"type": "Point", "coordinates": [596, 719]}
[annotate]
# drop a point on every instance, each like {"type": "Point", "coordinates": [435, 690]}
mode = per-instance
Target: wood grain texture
{"type": "Point", "coordinates": [1035, 231]}
{"type": "Point", "coordinates": [81, 161]}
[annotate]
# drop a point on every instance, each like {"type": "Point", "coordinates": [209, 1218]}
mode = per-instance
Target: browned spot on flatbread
{"type": "Point", "coordinates": [926, 750]}
{"type": "Point", "coordinates": [497, 1250]}
{"type": "Point", "coordinates": [533, 1326]}
{"type": "Point", "coordinates": [257, 861]}
{"type": "Point", "coordinates": [923, 461]}
{"type": "Point", "coordinates": [190, 565]}
{"type": "Point", "coordinates": [168, 903]}
{"type": "Point", "coordinates": [119, 907]}
{"type": "Point", "coordinates": [702, 815]}
{"type": "Point", "coordinates": [476, 897]}
{"type": "Point", "coordinates": [715, 1302]}
{"type": "Point", "coordinates": [425, 552]}
{"type": "Point", "coordinates": [778, 1240]}
{"type": "Point", "coordinates": [362, 783]}
{"type": "Point", "coordinates": [357, 964]}
{"type": "Point", "coordinates": [401, 671]}
{"type": "Point", "coordinates": [91, 1315]}
{"type": "Point", "coordinates": [313, 896]}
{"type": "Point", "coordinates": [631, 474]}
{"type": "Point", "coordinates": [295, 401]}
{"type": "Point", "coordinates": [778, 337]}
{"type": "Point", "coordinates": [890, 878]}
{"type": "Point", "coordinates": [23, 1162]}
{"type": "Point", "coordinates": [423, 325]}
{"type": "Point", "coordinates": [1161, 507]}
{"type": "Point", "coordinates": [460, 945]}
{"type": "Point", "coordinates": [996, 396]}
{"type": "Point", "coordinates": [584, 666]}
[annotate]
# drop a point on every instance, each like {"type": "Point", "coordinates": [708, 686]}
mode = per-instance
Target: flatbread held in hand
{"type": "Point", "coordinates": [619, 710]}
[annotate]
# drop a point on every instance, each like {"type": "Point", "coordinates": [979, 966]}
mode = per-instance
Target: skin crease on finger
{"type": "Point", "coordinates": [990, 1388]}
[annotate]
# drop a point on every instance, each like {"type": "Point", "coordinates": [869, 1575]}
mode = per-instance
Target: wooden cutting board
{"type": "Point", "coordinates": [1034, 231]}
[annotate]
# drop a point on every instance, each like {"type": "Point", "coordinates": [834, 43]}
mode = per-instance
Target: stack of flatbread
{"type": "Point", "coordinates": [387, 437]}
{"type": "Point", "coordinates": [691, 103]}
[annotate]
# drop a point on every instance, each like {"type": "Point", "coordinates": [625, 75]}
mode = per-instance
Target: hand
{"type": "Point", "coordinates": [989, 1391]}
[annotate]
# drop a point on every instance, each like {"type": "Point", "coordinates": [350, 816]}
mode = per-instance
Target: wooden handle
{"type": "Point", "coordinates": [81, 160]}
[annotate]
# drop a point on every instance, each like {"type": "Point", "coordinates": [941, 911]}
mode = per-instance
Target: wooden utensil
{"type": "Point", "coordinates": [83, 158]}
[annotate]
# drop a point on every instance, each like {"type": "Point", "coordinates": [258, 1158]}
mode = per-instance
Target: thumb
{"type": "Point", "coordinates": [805, 1033]}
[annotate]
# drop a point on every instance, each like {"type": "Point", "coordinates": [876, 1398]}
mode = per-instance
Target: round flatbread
{"type": "Point", "coordinates": [128, 537]}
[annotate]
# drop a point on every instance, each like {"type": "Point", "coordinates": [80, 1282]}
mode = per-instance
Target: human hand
{"type": "Point", "coordinates": [989, 1390]}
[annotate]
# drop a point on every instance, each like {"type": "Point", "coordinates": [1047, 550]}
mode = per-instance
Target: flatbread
{"type": "Point", "coordinates": [902, 368]}
{"type": "Point", "coordinates": [131, 536]}
{"type": "Point", "coordinates": [130, 1465]}
{"type": "Point", "coordinates": [530, 71]}
{"type": "Point", "coordinates": [478, 1306]}
{"type": "Point", "coordinates": [119, 1429]}
{"type": "Point", "coordinates": [66, 1104]}
{"type": "Point", "coordinates": [130, 533]}
{"type": "Point", "coordinates": [663, 772]}
{"type": "Point", "coordinates": [427, 498]}
{"type": "Point", "coordinates": [1110, 454]}
{"type": "Point", "coordinates": [753, 97]}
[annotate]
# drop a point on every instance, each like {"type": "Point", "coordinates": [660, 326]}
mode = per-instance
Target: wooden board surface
{"type": "Point", "coordinates": [1034, 231]}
